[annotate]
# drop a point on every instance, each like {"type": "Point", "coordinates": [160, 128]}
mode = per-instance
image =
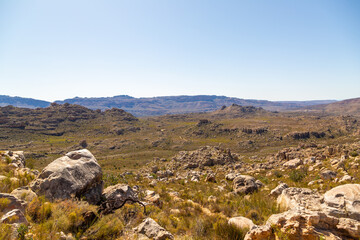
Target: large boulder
{"type": "Point", "coordinates": [343, 201]}
{"type": "Point", "coordinates": [278, 190]}
{"type": "Point", "coordinates": [299, 198]}
{"type": "Point", "coordinates": [77, 174]}
{"type": "Point", "coordinates": [153, 230]}
{"type": "Point", "coordinates": [245, 184]}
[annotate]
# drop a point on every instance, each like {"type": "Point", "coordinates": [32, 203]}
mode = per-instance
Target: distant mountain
{"type": "Point", "coordinates": [22, 102]}
{"type": "Point", "coordinates": [345, 107]}
{"type": "Point", "coordinates": [162, 105]}
{"type": "Point", "coordinates": [182, 104]}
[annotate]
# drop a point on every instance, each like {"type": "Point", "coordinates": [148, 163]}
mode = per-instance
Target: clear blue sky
{"type": "Point", "coordinates": [259, 49]}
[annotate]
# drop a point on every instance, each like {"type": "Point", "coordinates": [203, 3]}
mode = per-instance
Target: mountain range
{"type": "Point", "coordinates": [163, 105]}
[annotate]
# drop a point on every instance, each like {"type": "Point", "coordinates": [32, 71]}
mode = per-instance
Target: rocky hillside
{"type": "Point", "coordinates": [55, 119]}
{"type": "Point", "coordinates": [22, 102]}
{"type": "Point", "coordinates": [161, 105]}
{"type": "Point", "coordinates": [345, 107]}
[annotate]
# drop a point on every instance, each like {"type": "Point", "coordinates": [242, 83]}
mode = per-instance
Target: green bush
{"type": "Point", "coordinates": [297, 175]}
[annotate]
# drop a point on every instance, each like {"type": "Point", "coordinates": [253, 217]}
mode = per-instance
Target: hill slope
{"type": "Point", "coordinates": [349, 107]}
{"type": "Point", "coordinates": [22, 102]}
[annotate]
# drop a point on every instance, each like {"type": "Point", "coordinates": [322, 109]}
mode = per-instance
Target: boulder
{"type": "Point", "coordinates": [14, 216]}
{"type": "Point", "coordinates": [294, 163]}
{"type": "Point", "coordinates": [327, 174]}
{"type": "Point", "coordinates": [343, 201]}
{"type": "Point", "coordinates": [10, 202]}
{"type": "Point", "coordinates": [24, 193]}
{"type": "Point", "coordinates": [245, 184]}
{"type": "Point", "coordinates": [153, 230]}
{"type": "Point", "coordinates": [299, 198]}
{"type": "Point", "coordinates": [153, 197]}
{"type": "Point", "coordinates": [16, 158]}
{"type": "Point", "coordinates": [77, 174]}
{"type": "Point", "coordinates": [241, 222]}
{"type": "Point", "coordinates": [278, 190]}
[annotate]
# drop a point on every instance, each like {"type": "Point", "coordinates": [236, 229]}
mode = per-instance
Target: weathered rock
{"type": "Point", "coordinates": [327, 174]}
{"type": "Point", "coordinates": [153, 230]}
{"type": "Point", "coordinates": [346, 178]}
{"type": "Point", "coordinates": [211, 177]}
{"type": "Point", "coordinates": [231, 176]}
{"type": "Point", "coordinates": [299, 197]}
{"type": "Point", "coordinates": [293, 163]}
{"type": "Point", "coordinates": [343, 201]}
{"type": "Point", "coordinates": [11, 202]}
{"type": "Point", "coordinates": [24, 193]}
{"type": "Point", "coordinates": [14, 216]}
{"type": "Point", "coordinates": [153, 197]}
{"type": "Point", "coordinates": [278, 190]}
{"type": "Point", "coordinates": [245, 184]}
{"type": "Point", "coordinates": [16, 158]}
{"type": "Point", "coordinates": [77, 174]}
{"type": "Point", "coordinates": [241, 222]}
{"type": "Point", "coordinates": [205, 156]}
{"type": "Point", "coordinates": [119, 193]}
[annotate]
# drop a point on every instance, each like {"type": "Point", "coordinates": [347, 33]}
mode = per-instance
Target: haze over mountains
{"type": "Point", "coordinates": [163, 105]}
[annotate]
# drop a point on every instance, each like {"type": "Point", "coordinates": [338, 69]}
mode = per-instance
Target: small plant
{"type": "Point", "coordinates": [228, 231]}
{"type": "Point", "coordinates": [297, 175]}
{"type": "Point", "coordinates": [22, 230]}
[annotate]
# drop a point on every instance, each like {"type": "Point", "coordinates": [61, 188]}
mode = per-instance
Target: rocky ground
{"type": "Point", "coordinates": [71, 188]}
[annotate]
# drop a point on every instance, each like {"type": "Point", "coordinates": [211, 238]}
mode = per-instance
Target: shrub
{"type": "Point", "coordinates": [228, 231]}
{"type": "Point", "coordinates": [297, 175]}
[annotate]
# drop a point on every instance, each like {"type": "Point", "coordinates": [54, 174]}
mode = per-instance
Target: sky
{"type": "Point", "coordinates": [252, 49]}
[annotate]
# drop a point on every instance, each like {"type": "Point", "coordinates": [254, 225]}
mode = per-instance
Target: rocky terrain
{"type": "Point", "coordinates": [345, 107]}
{"type": "Point", "coordinates": [235, 173]}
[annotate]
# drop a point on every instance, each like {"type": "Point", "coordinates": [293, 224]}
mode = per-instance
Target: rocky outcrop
{"type": "Point", "coordinates": [14, 158]}
{"type": "Point", "coordinates": [312, 216]}
{"type": "Point", "coordinates": [245, 184]}
{"type": "Point", "coordinates": [205, 156]}
{"type": "Point", "coordinates": [293, 163]}
{"type": "Point", "coordinates": [153, 230]}
{"type": "Point", "coordinates": [77, 174]}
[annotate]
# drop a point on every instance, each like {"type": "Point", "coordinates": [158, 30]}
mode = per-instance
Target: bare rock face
{"type": "Point", "coordinates": [14, 216]}
{"type": "Point", "coordinates": [205, 156]}
{"type": "Point", "coordinates": [153, 230]}
{"type": "Point", "coordinates": [343, 201]}
{"type": "Point", "coordinates": [77, 174]}
{"type": "Point", "coordinates": [12, 203]}
{"type": "Point", "coordinates": [245, 184]}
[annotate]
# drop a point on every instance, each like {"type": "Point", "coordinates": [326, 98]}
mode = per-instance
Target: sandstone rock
{"type": "Point", "coordinates": [153, 197]}
{"type": "Point", "coordinates": [245, 184]}
{"type": "Point", "coordinates": [241, 222]}
{"type": "Point", "coordinates": [12, 203]}
{"type": "Point", "coordinates": [346, 178]}
{"type": "Point", "coordinates": [293, 163]}
{"type": "Point", "coordinates": [77, 174]}
{"type": "Point", "coordinates": [231, 176]}
{"type": "Point", "coordinates": [343, 201]}
{"type": "Point", "coordinates": [299, 197]}
{"type": "Point", "coordinates": [14, 216]}
{"type": "Point", "coordinates": [211, 177]}
{"type": "Point", "coordinates": [119, 193]}
{"type": "Point", "coordinates": [16, 158]}
{"type": "Point", "coordinates": [327, 174]}
{"type": "Point", "coordinates": [205, 156]}
{"type": "Point", "coordinates": [278, 190]}
{"type": "Point", "coordinates": [153, 230]}
{"type": "Point", "coordinates": [24, 193]}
